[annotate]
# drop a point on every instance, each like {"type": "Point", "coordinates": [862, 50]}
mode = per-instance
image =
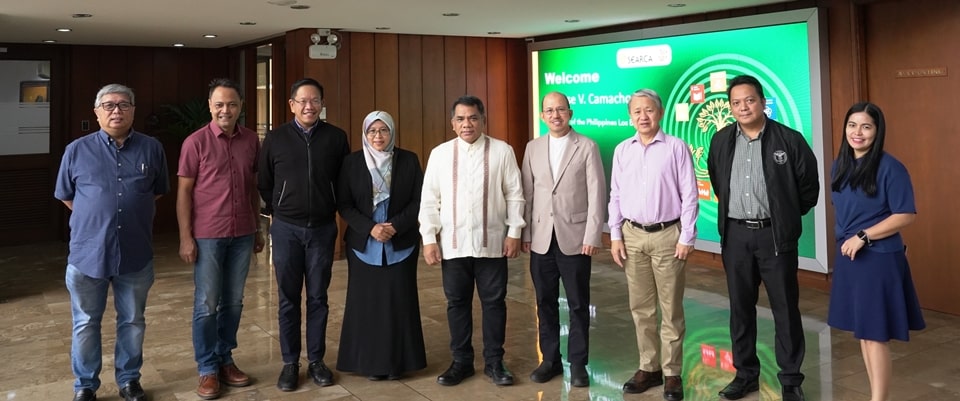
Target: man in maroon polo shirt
{"type": "Point", "coordinates": [217, 209]}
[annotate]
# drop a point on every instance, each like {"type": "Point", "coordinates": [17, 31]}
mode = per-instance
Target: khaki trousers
{"type": "Point", "coordinates": [656, 278]}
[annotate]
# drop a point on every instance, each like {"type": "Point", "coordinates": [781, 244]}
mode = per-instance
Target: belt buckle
{"type": "Point", "coordinates": [753, 224]}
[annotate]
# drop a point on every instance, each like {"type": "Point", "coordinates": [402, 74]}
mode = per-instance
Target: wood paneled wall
{"type": "Point", "coordinates": [922, 129]}
{"type": "Point", "coordinates": [416, 78]}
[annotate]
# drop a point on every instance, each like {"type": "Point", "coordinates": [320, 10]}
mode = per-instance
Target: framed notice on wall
{"type": "Point", "coordinates": [34, 91]}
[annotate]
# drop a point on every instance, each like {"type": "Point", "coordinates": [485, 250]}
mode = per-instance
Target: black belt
{"type": "Point", "coordinates": [752, 224]}
{"type": "Point", "coordinates": [652, 228]}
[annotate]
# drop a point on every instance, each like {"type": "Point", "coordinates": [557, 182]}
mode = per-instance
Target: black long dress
{"type": "Point", "coordinates": [382, 334]}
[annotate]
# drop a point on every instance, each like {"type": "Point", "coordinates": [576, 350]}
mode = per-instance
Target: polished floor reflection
{"type": "Point", "coordinates": [35, 341]}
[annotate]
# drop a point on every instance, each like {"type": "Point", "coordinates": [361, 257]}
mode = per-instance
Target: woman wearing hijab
{"type": "Point", "coordinates": [379, 197]}
{"type": "Point", "coordinates": [873, 294]}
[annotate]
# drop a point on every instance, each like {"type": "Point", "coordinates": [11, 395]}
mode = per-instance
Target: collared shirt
{"type": "Point", "coordinates": [457, 210]}
{"type": "Point", "coordinates": [113, 191]}
{"type": "Point", "coordinates": [748, 190]}
{"type": "Point", "coordinates": [376, 251]}
{"type": "Point", "coordinates": [653, 183]}
{"type": "Point", "coordinates": [225, 168]}
{"type": "Point", "coordinates": [556, 147]}
{"type": "Point", "coordinates": [306, 131]}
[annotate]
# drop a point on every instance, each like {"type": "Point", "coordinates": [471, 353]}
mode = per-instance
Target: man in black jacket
{"type": "Point", "coordinates": [299, 166]}
{"type": "Point", "coordinates": [765, 177]}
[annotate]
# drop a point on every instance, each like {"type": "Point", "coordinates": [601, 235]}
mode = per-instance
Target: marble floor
{"type": "Point", "coordinates": [35, 341]}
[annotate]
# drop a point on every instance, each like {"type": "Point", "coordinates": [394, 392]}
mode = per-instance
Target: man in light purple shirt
{"type": "Point", "coordinates": [653, 215]}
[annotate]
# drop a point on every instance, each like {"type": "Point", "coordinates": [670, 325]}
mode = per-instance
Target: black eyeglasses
{"type": "Point", "coordinates": [124, 106]}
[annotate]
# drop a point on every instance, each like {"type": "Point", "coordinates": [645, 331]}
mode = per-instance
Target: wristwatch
{"type": "Point", "coordinates": [863, 237]}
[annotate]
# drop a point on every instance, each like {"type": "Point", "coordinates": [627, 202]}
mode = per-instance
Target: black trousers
{"type": "Point", "coordinates": [749, 259]}
{"type": "Point", "coordinates": [302, 255]}
{"type": "Point", "coordinates": [490, 277]}
{"type": "Point", "coordinates": [546, 271]}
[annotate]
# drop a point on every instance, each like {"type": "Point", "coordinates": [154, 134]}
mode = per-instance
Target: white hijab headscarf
{"type": "Point", "coordinates": [380, 163]}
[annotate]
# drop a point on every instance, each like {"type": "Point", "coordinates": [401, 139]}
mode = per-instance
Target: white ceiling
{"type": "Point", "coordinates": [164, 22]}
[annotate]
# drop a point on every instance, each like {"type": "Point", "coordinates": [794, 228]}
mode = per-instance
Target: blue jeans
{"type": "Point", "coordinates": [302, 257]}
{"type": "Point", "coordinates": [88, 300]}
{"type": "Point", "coordinates": [219, 276]}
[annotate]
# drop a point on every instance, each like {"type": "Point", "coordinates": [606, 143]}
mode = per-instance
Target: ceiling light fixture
{"type": "Point", "coordinates": [64, 29]}
{"type": "Point", "coordinates": [299, 6]}
{"type": "Point", "coordinates": [49, 41]}
{"type": "Point", "coordinates": [81, 15]}
{"type": "Point", "coordinates": [571, 21]}
{"type": "Point", "coordinates": [247, 23]}
{"type": "Point", "coordinates": [382, 28]}
{"type": "Point", "coordinates": [209, 36]}
{"type": "Point", "coordinates": [178, 45]}
{"type": "Point", "coordinates": [676, 5]}
{"type": "Point", "coordinates": [493, 33]}
{"type": "Point", "coordinates": [450, 14]}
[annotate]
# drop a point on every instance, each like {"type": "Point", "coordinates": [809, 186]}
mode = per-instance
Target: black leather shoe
{"type": "Point", "coordinates": [289, 377]}
{"type": "Point", "coordinates": [456, 373]}
{"type": "Point", "coordinates": [792, 393]}
{"type": "Point", "coordinates": [133, 392]}
{"type": "Point", "coordinates": [546, 371]}
{"type": "Point", "coordinates": [672, 388]}
{"type": "Point", "coordinates": [642, 381]}
{"type": "Point", "coordinates": [499, 373]}
{"type": "Point", "coordinates": [578, 375]}
{"type": "Point", "coordinates": [739, 388]}
{"type": "Point", "coordinates": [85, 394]}
{"type": "Point", "coordinates": [320, 373]}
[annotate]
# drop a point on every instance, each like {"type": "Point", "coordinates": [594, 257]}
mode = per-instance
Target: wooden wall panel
{"type": "Point", "coordinates": [498, 112]}
{"type": "Point", "coordinates": [476, 68]}
{"type": "Point", "coordinates": [436, 117]}
{"type": "Point", "coordinates": [410, 118]}
{"type": "Point", "coordinates": [386, 61]}
{"type": "Point", "coordinates": [518, 119]}
{"type": "Point", "coordinates": [363, 88]}
{"type": "Point", "coordinates": [454, 72]}
{"type": "Point", "coordinates": [921, 130]}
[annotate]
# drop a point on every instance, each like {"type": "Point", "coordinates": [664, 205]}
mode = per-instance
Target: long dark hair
{"type": "Point", "coordinates": [862, 175]}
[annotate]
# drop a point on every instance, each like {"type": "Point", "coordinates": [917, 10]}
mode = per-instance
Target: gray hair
{"type": "Point", "coordinates": [650, 94]}
{"type": "Point", "coordinates": [113, 88]}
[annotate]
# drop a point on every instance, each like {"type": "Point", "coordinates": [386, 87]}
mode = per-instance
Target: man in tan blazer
{"type": "Point", "coordinates": [565, 193]}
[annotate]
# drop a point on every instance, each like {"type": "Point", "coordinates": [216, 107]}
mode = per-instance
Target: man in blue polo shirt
{"type": "Point", "coordinates": [110, 180]}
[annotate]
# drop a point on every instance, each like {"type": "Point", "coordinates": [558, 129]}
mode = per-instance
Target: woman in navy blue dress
{"type": "Point", "coordinates": [873, 294]}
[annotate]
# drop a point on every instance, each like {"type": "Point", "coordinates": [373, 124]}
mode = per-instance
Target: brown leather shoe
{"type": "Point", "coordinates": [232, 376]}
{"type": "Point", "coordinates": [209, 387]}
{"type": "Point", "coordinates": [643, 380]}
{"type": "Point", "coordinates": [672, 388]}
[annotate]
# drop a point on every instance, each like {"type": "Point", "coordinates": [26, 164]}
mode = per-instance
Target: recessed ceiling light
{"type": "Point", "coordinates": [178, 45]}
{"type": "Point", "coordinates": [247, 23]}
{"type": "Point", "coordinates": [382, 28]}
{"type": "Point", "coordinates": [64, 29]}
{"type": "Point", "coordinates": [299, 6]}
{"type": "Point", "coordinates": [571, 21]}
{"type": "Point", "coordinates": [49, 41]}
{"type": "Point", "coordinates": [493, 33]}
{"type": "Point", "coordinates": [676, 5]}
{"type": "Point", "coordinates": [209, 36]}
{"type": "Point", "coordinates": [81, 15]}
{"type": "Point", "coordinates": [450, 14]}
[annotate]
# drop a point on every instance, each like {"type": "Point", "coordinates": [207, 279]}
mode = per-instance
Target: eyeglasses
{"type": "Point", "coordinates": [383, 132]}
{"type": "Point", "coordinates": [558, 110]}
{"type": "Point", "coordinates": [312, 102]}
{"type": "Point", "coordinates": [124, 106]}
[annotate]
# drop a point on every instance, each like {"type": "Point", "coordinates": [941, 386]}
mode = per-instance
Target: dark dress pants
{"type": "Point", "coordinates": [749, 258]}
{"type": "Point", "coordinates": [490, 277]}
{"type": "Point", "coordinates": [547, 270]}
{"type": "Point", "coordinates": [302, 254]}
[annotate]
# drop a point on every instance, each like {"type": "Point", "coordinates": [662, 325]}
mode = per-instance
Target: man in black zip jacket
{"type": "Point", "coordinates": [299, 165]}
{"type": "Point", "coordinates": [765, 177]}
